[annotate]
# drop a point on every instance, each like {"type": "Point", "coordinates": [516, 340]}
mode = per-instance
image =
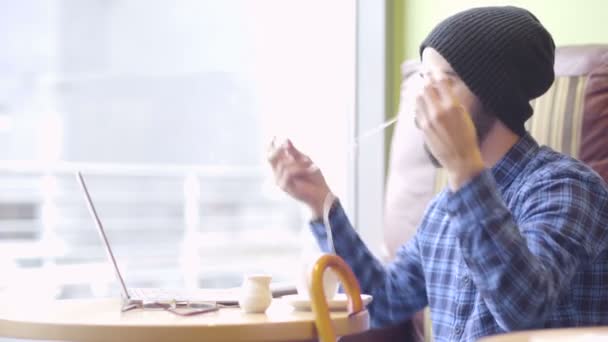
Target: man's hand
{"type": "Point", "coordinates": [449, 133]}
{"type": "Point", "coordinates": [297, 175]}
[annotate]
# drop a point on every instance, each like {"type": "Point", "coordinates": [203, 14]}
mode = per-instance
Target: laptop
{"type": "Point", "coordinates": [140, 297]}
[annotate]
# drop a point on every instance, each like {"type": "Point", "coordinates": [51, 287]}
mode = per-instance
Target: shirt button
{"type": "Point", "coordinates": [466, 280]}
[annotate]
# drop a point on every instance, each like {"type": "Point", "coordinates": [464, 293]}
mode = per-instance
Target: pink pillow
{"type": "Point", "coordinates": [411, 176]}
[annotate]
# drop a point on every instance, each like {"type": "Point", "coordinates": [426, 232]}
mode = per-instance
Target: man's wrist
{"type": "Point", "coordinates": [316, 214]}
{"type": "Point", "coordinates": [317, 209]}
{"type": "Point", "coordinates": [462, 175]}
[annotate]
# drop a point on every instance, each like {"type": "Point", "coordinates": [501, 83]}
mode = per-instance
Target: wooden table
{"type": "Point", "coordinates": [553, 335]}
{"type": "Point", "coordinates": [101, 320]}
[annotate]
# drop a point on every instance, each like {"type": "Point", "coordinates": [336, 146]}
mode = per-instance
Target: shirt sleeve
{"type": "Point", "coordinates": [521, 268]}
{"type": "Point", "coordinates": [398, 289]}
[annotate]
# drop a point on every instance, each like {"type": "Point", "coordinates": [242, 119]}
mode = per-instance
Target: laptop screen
{"type": "Point", "coordinates": [104, 238]}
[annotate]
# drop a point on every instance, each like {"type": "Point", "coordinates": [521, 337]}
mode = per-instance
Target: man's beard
{"type": "Point", "coordinates": [483, 122]}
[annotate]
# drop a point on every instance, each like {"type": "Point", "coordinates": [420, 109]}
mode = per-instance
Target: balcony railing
{"type": "Point", "coordinates": [168, 225]}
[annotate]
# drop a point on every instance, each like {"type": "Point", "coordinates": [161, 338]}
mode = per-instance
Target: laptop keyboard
{"type": "Point", "coordinates": [155, 295]}
{"type": "Point", "coordinates": [229, 295]}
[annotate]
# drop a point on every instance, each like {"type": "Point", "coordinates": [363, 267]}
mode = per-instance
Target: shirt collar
{"type": "Point", "coordinates": [514, 161]}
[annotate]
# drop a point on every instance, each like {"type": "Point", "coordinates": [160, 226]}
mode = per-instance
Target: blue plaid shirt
{"type": "Point", "coordinates": [521, 246]}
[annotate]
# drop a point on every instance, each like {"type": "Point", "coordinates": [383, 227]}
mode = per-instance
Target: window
{"type": "Point", "coordinates": [166, 107]}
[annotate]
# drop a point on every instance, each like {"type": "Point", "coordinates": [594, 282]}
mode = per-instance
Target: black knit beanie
{"type": "Point", "coordinates": [503, 54]}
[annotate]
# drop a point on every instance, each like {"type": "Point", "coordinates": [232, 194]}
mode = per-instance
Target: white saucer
{"type": "Point", "coordinates": [339, 302]}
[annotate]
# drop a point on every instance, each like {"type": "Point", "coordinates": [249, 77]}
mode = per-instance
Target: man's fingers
{"type": "Point", "coordinates": [446, 95]}
{"type": "Point", "coordinates": [428, 104]}
{"type": "Point", "coordinates": [425, 111]}
{"type": "Point", "coordinates": [274, 156]}
{"type": "Point", "coordinates": [296, 169]}
{"type": "Point", "coordinates": [432, 95]}
{"type": "Point", "coordinates": [286, 172]}
{"type": "Point", "coordinates": [433, 140]}
{"type": "Point", "coordinates": [286, 151]}
{"type": "Point", "coordinates": [273, 153]}
{"type": "Point", "coordinates": [425, 118]}
{"type": "Point", "coordinates": [294, 152]}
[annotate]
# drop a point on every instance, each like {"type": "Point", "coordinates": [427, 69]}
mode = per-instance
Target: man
{"type": "Point", "coordinates": [519, 239]}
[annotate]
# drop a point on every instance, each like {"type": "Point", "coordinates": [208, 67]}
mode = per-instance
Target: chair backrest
{"type": "Point", "coordinates": [572, 116]}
